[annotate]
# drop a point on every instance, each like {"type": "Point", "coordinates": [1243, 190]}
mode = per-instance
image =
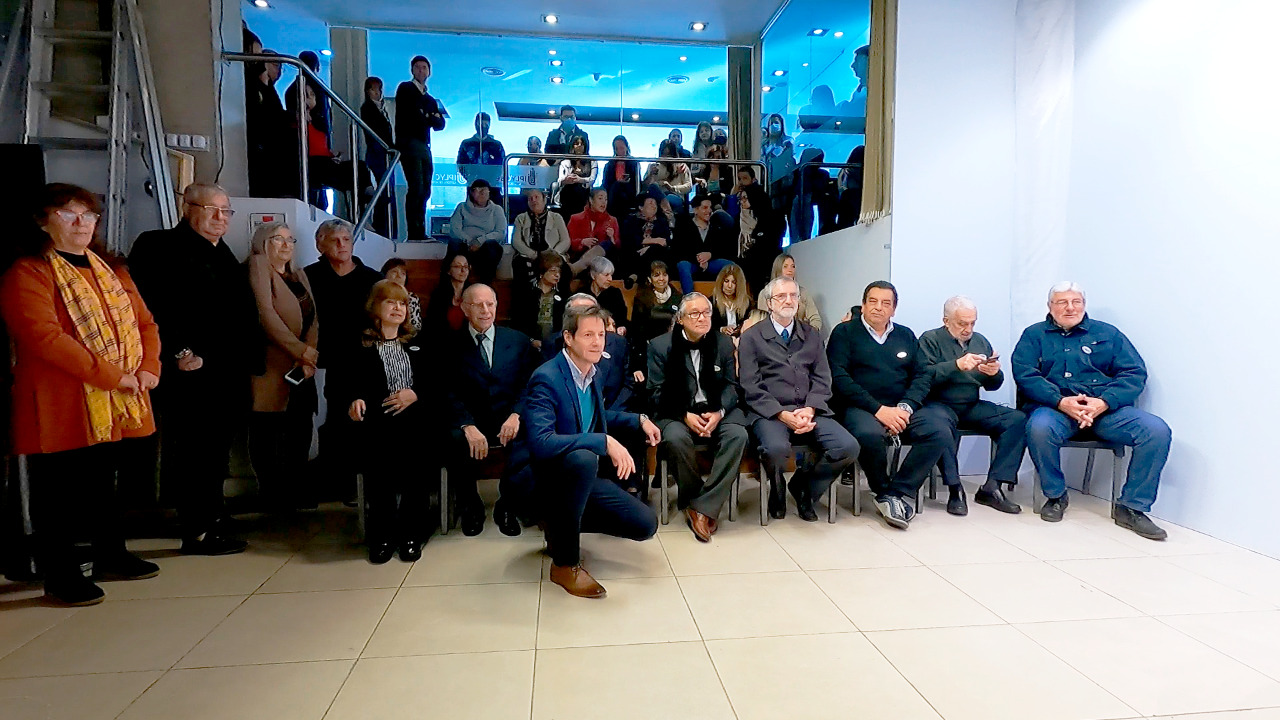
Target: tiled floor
{"type": "Point", "coordinates": [984, 617]}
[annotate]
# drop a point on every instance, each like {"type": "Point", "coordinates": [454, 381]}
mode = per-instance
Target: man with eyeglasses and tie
{"type": "Point", "coordinates": [786, 384]}
{"type": "Point", "coordinates": [200, 296]}
{"type": "Point", "coordinates": [1079, 378]}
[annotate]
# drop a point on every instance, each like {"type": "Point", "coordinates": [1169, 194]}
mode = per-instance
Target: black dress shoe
{"type": "Point", "coordinates": [410, 551]}
{"type": "Point", "coordinates": [996, 499]}
{"type": "Point", "coordinates": [1053, 508]}
{"type": "Point", "coordinates": [123, 565]}
{"type": "Point", "coordinates": [380, 553]}
{"type": "Point", "coordinates": [73, 589]}
{"type": "Point", "coordinates": [804, 503]}
{"type": "Point", "coordinates": [506, 520]}
{"type": "Point", "coordinates": [777, 501]}
{"type": "Point", "coordinates": [1139, 523]}
{"type": "Point", "coordinates": [956, 503]}
{"type": "Point", "coordinates": [473, 521]}
{"type": "Point", "coordinates": [211, 544]}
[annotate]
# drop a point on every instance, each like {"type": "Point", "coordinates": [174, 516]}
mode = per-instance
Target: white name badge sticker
{"type": "Point", "coordinates": [902, 354]}
{"type": "Point", "coordinates": [1086, 350]}
{"type": "Point", "coordinates": [606, 355]}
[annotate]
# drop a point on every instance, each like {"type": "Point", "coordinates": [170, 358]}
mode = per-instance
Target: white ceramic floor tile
{"type": "Point", "coordinates": [1173, 674]}
{"type": "Point", "coordinates": [1058, 541]}
{"type": "Point", "coordinates": [458, 618]}
{"type": "Point", "coordinates": [335, 567]}
{"type": "Point", "coordinates": [761, 604]}
{"type": "Point", "coordinates": [488, 558]}
{"type": "Point", "coordinates": [1261, 714]}
{"type": "Point", "coordinates": [199, 576]}
{"type": "Point", "coordinates": [1251, 638]}
{"type": "Point", "coordinates": [120, 637]}
{"type": "Point", "coordinates": [294, 691]}
{"type": "Point", "coordinates": [1181, 541]}
{"type": "Point", "coordinates": [293, 627]}
{"type": "Point", "coordinates": [900, 598]}
{"type": "Point", "coordinates": [25, 619]}
{"type": "Point", "coordinates": [1033, 592]}
{"type": "Point", "coordinates": [1156, 587]}
{"type": "Point", "coordinates": [953, 669]}
{"type": "Point", "coordinates": [477, 686]}
{"type": "Point", "coordinates": [611, 558]}
{"type": "Point", "coordinates": [867, 686]}
{"type": "Point", "coordinates": [1248, 572]}
{"type": "Point", "coordinates": [734, 549]}
{"type": "Point", "coordinates": [637, 610]}
{"type": "Point", "coordinates": [72, 697]}
{"type": "Point", "coordinates": [949, 541]}
{"type": "Point", "coordinates": [610, 682]}
{"type": "Point", "coordinates": [845, 545]}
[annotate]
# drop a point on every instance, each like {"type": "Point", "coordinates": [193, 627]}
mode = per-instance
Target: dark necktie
{"type": "Point", "coordinates": [786, 336]}
{"type": "Point", "coordinates": [484, 350]}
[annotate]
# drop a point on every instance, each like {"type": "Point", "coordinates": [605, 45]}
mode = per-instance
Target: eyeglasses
{"type": "Point", "coordinates": [225, 212]}
{"type": "Point", "coordinates": [786, 296]}
{"type": "Point", "coordinates": [283, 238]}
{"type": "Point", "coordinates": [698, 314]}
{"type": "Point", "coordinates": [88, 217]}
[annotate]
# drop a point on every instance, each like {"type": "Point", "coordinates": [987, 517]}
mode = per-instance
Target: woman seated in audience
{"type": "Point", "coordinates": [478, 228]}
{"type": "Point", "coordinates": [444, 311]}
{"type": "Point", "coordinates": [576, 178]}
{"type": "Point", "coordinates": [593, 233]}
{"type": "Point", "coordinates": [713, 178]}
{"type": "Point", "coordinates": [538, 307]}
{"type": "Point", "coordinates": [753, 317]}
{"type": "Point", "coordinates": [609, 297]}
{"type": "Point", "coordinates": [703, 138]}
{"type": "Point", "coordinates": [731, 301]}
{"type": "Point", "coordinates": [620, 176]}
{"type": "Point", "coordinates": [653, 309]}
{"type": "Point", "coordinates": [390, 378]}
{"type": "Point", "coordinates": [284, 395]}
{"type": "Point", "coordinates": [534, 146]}
{"type": "Point", "coordinates": [537, 230]}
{"type": "Point", "coordinates": [86, 356]}
{"type": "Point", "coordinates": [646, 237]}
{"type": "Point", "coordinates": [397, 270]}
{"type": "Point", "coordinates": [672, 179]}
{"type": "Point", "coordinates": [758, 234]}
{"type": "Point", "coordinates": [785, 266]}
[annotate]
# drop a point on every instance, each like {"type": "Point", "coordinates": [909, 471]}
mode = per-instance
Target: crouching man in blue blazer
{"type": "Point", "coordinates": [568, 435]}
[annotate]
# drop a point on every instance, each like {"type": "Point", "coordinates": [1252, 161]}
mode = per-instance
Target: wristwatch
{"type": "Point", "coordinates": [643, 417]}
{"type": "Point", "coordinates": [185, 353]}
{"type": "Point", "coordinates": [905, 408]}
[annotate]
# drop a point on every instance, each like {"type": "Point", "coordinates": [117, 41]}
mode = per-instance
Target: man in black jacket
{"type": "Point", "coordinates": [417, 114]}
{"type": "Point", "coordinates": [703, 246]}
{"type": "Point", "coordinates": [960, 362]}
{"type": "Point", "coordinates": [487, 377]}
{"type": "Point", "coordinates": [693, 388]}
{"type": "Point", "coordinates": [786, 385]}
{"type": "Point", "coordinates": [200, 296]}
{"type": "Point", "coordinates": [880, 386]}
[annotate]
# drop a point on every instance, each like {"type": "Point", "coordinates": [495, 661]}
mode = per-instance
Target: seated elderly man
{"type": "Point", "coordinates": [1079, 378]}
{"type": "Point", "coordinates": [786, 384]}
{"type": "Point", "coordinates": [487, 377]}
{"type": "Point", "coordinates": [693, 389]}
{"type": "Point", "coordinates": [961, 362]}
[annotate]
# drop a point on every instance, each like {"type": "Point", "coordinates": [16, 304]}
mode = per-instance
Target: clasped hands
{"type": "Point", "coordinates": [703, 424]}
{"type": "Point", "coordinates": [1082, 409]}
{"type": "Point", "coordinates": [799, 421]}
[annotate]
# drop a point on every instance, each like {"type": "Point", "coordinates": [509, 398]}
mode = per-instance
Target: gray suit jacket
{"type": "Point", "coordinates": [776, 376]}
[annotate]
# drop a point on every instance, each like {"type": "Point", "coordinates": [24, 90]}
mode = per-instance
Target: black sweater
{"type": "Point", "coordinates": [948, 383]}
{"type": "Point", "coordinates": [867, 375]}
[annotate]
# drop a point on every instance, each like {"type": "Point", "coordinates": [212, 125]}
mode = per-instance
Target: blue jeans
{"type": "Point", "coordinates": [685, 269]}
{"type": "Point", "coordinates": [1148, 435]}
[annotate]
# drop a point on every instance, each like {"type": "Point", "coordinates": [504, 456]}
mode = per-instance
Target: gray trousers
{"type": "Point", "coordinates": [728, 440]}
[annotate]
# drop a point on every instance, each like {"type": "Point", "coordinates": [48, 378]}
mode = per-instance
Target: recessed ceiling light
{"type": "Point", "coordinates": [837, 123]}
{"type": "Point", "coordinates": [683, 58]}
{"type": "Point", "coordinates": [551, 112]}
{"type": "Point", "coordinates": [550, 18]}
{"type": "Point", "coordinates": [551, 52]}
{"type": "Point", "coordinates": [839, 33]}
{"type": "Point", "coordinates": [678, 79]}
{"type": "Point", "coordinates": [818, 31]}
{"type": "Point", "coordinates": [492, 71]}
{"type": "Point", "coordinates": [635, 116]}
{"type": "Point", "coordinates": [779, 73]}
{"type": "Point", "coordinates": [804, 64]}
{"type": "Point", "coordinates": [557, 63]}
{"type": "Point", "coordinates": [697, 26]}
{"type": "Point", "coordinates": [715, 119]}
{"type": "Point", "coordinates": [261, 4]}
{"type": "Point", "coordinates": [803, 145]}
{"type": "Point", "coordinates": [766, 88]}
{"type": "Point", "coordinates": [326, 52]}
{"type": "Point", "coordinates": [556, 80]}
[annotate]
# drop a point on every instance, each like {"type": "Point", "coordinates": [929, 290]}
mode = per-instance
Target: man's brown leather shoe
{"type": "Point", "coordinates": [576, 581]}
{"type": "Point", "coordinates": [715, 524]}
{"type": "Point", "coordinates": [700, 524]}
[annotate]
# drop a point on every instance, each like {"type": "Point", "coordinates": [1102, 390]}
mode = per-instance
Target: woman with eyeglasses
{"type": "Point", "coordinates": [444, 310]}
{"type": "Point", "coordinates": [284, 394]}
{"type": "Point", "coordinates": [87, 355]}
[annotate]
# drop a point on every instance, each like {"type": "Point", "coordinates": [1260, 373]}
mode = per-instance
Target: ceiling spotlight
{"type": "Point", "coordinates": [326, 52]}
{"type": "Point", "coordinates": [551, 52]}
{"type": "Point", "coordinates": [779, 73]}
{"type": "Point", "coordinates": [697, 26]}
{"type": "Point", "coordinates": [492, 71]}
{"type": "Point", "coordinates": [839, 33]}
{"type": "Point", "coordinates": [678, 79]}
{"type": "Point", "coordinates": [261, 4]}
{"type": "Point", "coordinates": [818, 32]}
{"type": "Point", "coordinates": [683, 58]}
{"type": "Point", "coordinates": [804, 64]}
{"type": "Point", "coordinates": [550, 19]}
{"type": "Point", "coordinates": [766, 88]}
{"type": "Point", "coordinates": [557, 63]}
{"type": "Point", "coordinates": [635, 116]}
{"type": "Point", "coordinates": [715, 119]}
{"type": "Point", "coordinates": [551, 112]}
{"type": "Point", "coordinates": [556, 80]}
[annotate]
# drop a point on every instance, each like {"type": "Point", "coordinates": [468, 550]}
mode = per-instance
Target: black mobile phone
{"type": "Point", "coordinates": [295, 376]}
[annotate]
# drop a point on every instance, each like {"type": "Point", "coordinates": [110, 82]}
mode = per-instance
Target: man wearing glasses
{"type": "Point", "coordinates": [200, 296]}
{"type": "Point", "coordinates": [693, 389]}
{"type": "Point", "coordinates": [786, 384]}
{"type": "Point", "coordinates": [1078, 378]}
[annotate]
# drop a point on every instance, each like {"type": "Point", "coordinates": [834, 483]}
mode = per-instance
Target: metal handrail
{"type": "Point", "coordinates": [555, 158]}
{"type": "Point", "coordinates": [393, 155]}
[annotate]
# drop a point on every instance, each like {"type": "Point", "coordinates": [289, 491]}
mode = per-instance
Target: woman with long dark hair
{"type": "Point", "coordinates": [621, 175]}
{"type": "Point", "coordinates": [576, 178]}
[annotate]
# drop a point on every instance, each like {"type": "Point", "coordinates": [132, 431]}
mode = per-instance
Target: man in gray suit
{"type": "Point", "coordinates": [786, 383]}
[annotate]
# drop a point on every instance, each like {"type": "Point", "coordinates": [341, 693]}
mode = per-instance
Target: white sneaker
{"type": "Point", "coordinates": [893, 510]}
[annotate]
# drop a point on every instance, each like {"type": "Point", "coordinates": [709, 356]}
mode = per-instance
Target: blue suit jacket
{"type": "Point", "coordinates": [553, 421]}
{"type": "Point", "coordinates": [611, 372]}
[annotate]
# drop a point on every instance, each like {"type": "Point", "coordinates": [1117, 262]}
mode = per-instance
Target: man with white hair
{"type": "Point", "coordinates": [961, 363]}
{"type": "Point", "coordinates": [1079, 378]}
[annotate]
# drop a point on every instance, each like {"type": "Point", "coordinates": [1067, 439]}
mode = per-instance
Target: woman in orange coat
{"type": "Point", "coordinates": [86, 355]}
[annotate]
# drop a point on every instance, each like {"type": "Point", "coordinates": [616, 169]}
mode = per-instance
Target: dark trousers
{"type": "Point", "coordinates": [279, 443]}
{"type": "Point", "coordinates": [830, 442]}
{"type": "Point", "coordinates": [515, 482]}
{"type": "Point", "coordinates": [680, 445]}
{"type": "Point", "coordinates": [73, 498]}
{"type": "Point", "coordinates": [578, 494]}
{"type": "Point", "coordinates": [484, 258]}
{"type": "Point", "coordinates": [928, 433]}
{"type": "Point", "coordinates": [1148, 435]}
{"type": "Point", "coordinates": [200, 413]}
{"type": "Point", "coordinates": [417, 175]}
{"type": "Point", "coordinates": [384, 212]}
{"type": "Point", "coordinates": [396, 490]}
{"type": "Point", "coordinates": [1006, 426]}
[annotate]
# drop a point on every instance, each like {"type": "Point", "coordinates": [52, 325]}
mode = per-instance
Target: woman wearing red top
{"type": "Point", "coordinates": [593, 232]}
{"type": "Point", "coordinates": [324, 167]}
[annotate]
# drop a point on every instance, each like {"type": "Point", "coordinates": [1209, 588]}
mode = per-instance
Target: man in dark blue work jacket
{"type": "Point", "coordinates": [1079, 378]}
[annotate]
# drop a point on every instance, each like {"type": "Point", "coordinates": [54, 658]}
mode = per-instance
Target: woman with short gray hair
{"type": "Point", "coordinates": [609, 297]}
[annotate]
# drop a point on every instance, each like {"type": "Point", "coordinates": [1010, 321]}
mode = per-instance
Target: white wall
{"type": "Point", "coordinates": [834, 268]}
{"type": "Point", "coordinates": [1172, 229]}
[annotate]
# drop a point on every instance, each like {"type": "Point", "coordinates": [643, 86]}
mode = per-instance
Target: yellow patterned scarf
{"type": "Point", "coordinates": [110, 331]}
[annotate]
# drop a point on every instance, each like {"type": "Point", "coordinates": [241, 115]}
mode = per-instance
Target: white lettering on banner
{"type": "Point", "coordinates": [532, 176]}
